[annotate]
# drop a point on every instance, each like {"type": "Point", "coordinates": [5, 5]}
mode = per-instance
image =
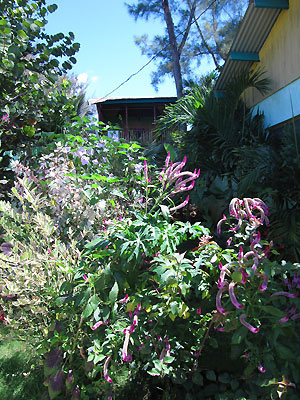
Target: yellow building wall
{"type": "Point", "coordinates": [280, 54]}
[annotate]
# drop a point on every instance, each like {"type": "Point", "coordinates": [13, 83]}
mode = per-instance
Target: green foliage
{"type": "Point", "coordinates": [198, 39]}
{"type": "Point", "coordinates": [132, 306]}
{"type": "Point", "coordinates": [29, 67]}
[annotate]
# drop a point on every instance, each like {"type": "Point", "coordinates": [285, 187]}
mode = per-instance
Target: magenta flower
{"type": "Point", "coordinates": [218, 300]}
{"type": "Point", "coordinates": [261, 369]}
{"type": "Point", "coordinates": [168, 347]}
{"type": "Point", "coordinates": [241, 255]}
{"type": "Point", "coordinates": [295, 316]}
{"type": "Point", "coordinates": [198, 311]}
{"type": "Point", "coordinates": [284, 319]}
{"type": "Point", "coordinates": [221, 281]}
{"type": "Point", "coordinates": [183, 204]}
{"type": "Point", "coordinates": [125, 299]}
{"type": "Point", "coordinates": [125, 356]}
{"type": "Point", "coordinates": [220, 223]}
{"type": "Point", "coordinates": [105, 373]}
{"type": "Point", "coordinates": [247, 325]}
{"type": "Point", "coordinates": [286, 294]}
{"type": "Point", "coordinates": [99, 323]}
{"type": "Point", "coordinates": [85, 277]}
{"type": "Point", "coordinates": [263, 286]}
{"type": "Point", "coordinates": [232, 296]}
{"type": "Point", "coordinates": [162, 354]}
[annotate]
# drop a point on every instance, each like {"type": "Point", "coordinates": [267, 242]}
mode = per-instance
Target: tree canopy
{"type": "Point", "coordinates": [203, 31]}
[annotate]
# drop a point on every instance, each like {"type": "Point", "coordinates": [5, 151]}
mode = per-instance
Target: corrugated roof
{"type": "Point", "coordinates": [133, 100]}
{"type": "Point", "coordinates": [252, 33]}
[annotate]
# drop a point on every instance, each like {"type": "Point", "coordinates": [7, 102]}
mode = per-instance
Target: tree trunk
{"type": "Point", "coordinates": [174, 48]}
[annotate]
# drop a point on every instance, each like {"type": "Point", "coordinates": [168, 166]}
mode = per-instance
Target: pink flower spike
{"type": "Point", "coordinates": [247, 325]}
{"type": "Point", "coordinates": [261, 369]}
{"type": "Point", "coordinates": [218, 301]}
{"type": "Point", "coordinates": [97, 324]}
{"type": "Point", "coordinates": [263, 286]}
{"type": "Point", "coordinates": [241, 255]}
{"type": "Point", "coordinates": [295, 316]}
{"type": "Point", "coordinates": [221, 329]}
{"type": "Point", "coordinates": [85, 277]}
{"type": "Point", "coordinates": [183, 204]}
{"type": "Point", "coordinates": [286, 294]}
{"type": "Point", "coordinates": [105, 373]}
{"type": "Point", "coordinates": [168, 347]}
{"type": "Point", "coordinates": [220, 223]}
{"type": "Point", "coordinates": [232, 296]}
{"type": "Point", "coordinates": [167, 160]}
{"type": "Point", "coordinates": [284, 319]}
{"type": "Point", "coordinates": [125, 299]}
{"type": "Point", "coordinates": [125, 345]}
{"type": "Point", "coordinates": [162, 354]}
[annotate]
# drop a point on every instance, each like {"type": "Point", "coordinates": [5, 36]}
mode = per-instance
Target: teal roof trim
{"type": "Point", "coordinates": [146, 100]}
{"type": "Point", "coordinates": [282, 4]}
{"type": "Point", "coordinates": [243, 56]}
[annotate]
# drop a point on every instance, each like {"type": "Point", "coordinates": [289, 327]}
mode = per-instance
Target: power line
{"type": "Point", "coordinates": [156, 55]}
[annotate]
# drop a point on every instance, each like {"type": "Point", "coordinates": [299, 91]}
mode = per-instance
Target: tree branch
{"type": "Point", "coordinates": [188, 27]}
{"type": "Point", "coordinates": [206, 45]}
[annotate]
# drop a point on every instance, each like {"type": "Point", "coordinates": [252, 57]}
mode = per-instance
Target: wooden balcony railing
{"type": "Point", "coordinates": [142, 136]}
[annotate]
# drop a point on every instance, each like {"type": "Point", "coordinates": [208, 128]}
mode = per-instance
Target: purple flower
{"type": "Point", "coordinates": [125, 299]}
{"type": "Point", "coordinates": [232, 296]}
{"type": "Point", "coordinates": [263, 286]}
{"type": "Point", "coordinates": [97, 324]}
{"type": "Point", "coordinates": [5, 118]}
{"type": "Point", "coordinates": [96, 162]}
{"type": "Point", "coordinates": [125, 346]}
{"type": "Point", "coordinates": [183, 204]}
{"type": "Point", "coordinates": [105, 372]}
{"type": "Point", "coordinates": [85, 160]}
{"type": "Point", "coordinates": [261, 369]}
{"type": "Point", "coordinates": [247, 325]}
{"type": "Point", "coordinates": [218, 300]}
{"type": "Point", "coordinates": [220, 223]}
{"type": "Point", "coordinates": [286, 294]}
{"type": "Point", "coordinates": [138, 167]}
{"type": "Point", "coordinates": [6, 248]}
{"type": "Point", "coordinates": [90, 152]}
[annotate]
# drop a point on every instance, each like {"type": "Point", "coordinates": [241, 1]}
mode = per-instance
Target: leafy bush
{"type": "Point", "coordinates": [140, 303]}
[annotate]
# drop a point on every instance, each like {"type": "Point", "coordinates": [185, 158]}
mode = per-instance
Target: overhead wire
{"type": "Point", "coordinates": [156, 54]}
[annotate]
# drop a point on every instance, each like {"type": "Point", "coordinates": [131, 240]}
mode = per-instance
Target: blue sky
{"type": "Point", "coordinates": [108, 54]}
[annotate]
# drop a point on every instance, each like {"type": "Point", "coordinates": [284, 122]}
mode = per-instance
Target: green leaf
{"type": "Point", "coordinates": [197, 378]}
{"type": "Point", "coordinates": [97, 243]}
{"type": "Point", "coordinates": [239, 335]}
{"type": "Point", "coordinates": [29, 130]}
{"type": "Point", "coordinates": [211, 375]}
{"type": "Point", "coordinates": [87, 311]}
{"type": "Point", "coordinates": [165, 211]}
{"type": "Point", "coordinates": [39, 23]}
{"type": "Point", "coordinates": [21, 34]}
{"type": "Point", "coordinates": [273, 311]}
{"type": "Point", "coordinates": [169, 359]}
{"type": "Point", "coordinates": [52, 8]}
{"type": "Point", "coordinates": [224, 378]}
{"type": "Point", "coordinates": [113, 294]}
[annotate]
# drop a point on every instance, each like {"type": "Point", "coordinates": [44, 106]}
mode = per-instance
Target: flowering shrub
{"type": "Point", "coordinates": [148, 300]}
